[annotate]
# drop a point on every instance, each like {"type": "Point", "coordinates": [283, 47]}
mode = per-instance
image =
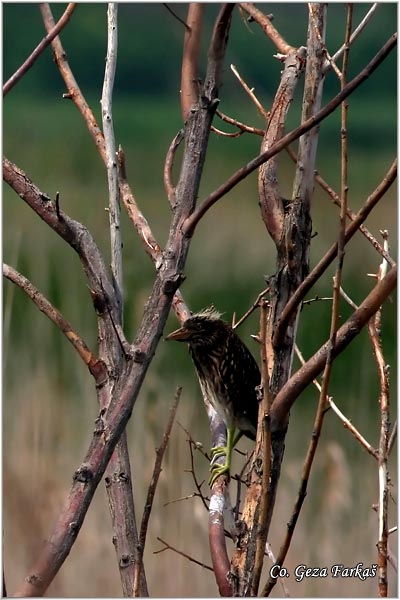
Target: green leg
{"type": "Point", "coordinates": [232, 438]}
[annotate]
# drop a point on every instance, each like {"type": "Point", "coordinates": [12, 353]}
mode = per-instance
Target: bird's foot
{"type": "Point", "coordinates": [218, 469]}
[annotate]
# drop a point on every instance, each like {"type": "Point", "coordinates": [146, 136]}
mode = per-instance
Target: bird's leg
{"type": "Point", "coordinates": [232, 438]}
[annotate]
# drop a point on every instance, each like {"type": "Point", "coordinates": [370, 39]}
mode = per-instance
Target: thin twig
{"type": "Point", "coordinates": [356, 33]}
{"type": "Point", "coordinates": [74, 93]}
{"type": "Point", "coordinates": [374, 330]}
{"type": "Point", "coordinates": [252, 308]}
{"type": "Point", "coordinates": [251, 93]}
{"type": "Point", "coordinates": [152, 490]}
{"type": "Point", "coordinates": [346, 422]}
{"type": "Point", "coordinates": [109, 139]}
{"type": "Point", "coordinates": [190, 558]}
{"type": "Point", "coordinates": [351, 215]}
{"type": "Point", "coordinates": [30, 61]}
{"type": "Point", "coordinates": [242, 126]}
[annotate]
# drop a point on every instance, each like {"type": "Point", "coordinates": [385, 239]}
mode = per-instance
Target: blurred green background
{"type": "Point", "coordinates": [49, 402]}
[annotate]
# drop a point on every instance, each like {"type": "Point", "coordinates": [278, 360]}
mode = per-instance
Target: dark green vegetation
{"type": "Point", "coordinates": [49, 401]}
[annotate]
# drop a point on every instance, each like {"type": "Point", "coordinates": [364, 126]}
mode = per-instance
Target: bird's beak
{"type": "Point", "coordinates": [180, 335]}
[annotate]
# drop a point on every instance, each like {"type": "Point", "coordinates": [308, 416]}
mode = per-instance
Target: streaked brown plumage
{"type": "Point", "coordinates": [228, 376]}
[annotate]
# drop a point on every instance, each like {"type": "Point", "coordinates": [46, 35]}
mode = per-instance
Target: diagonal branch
{"type": "Point", "coordinates": [74, 93]}
{"type": "Point", "coordinates": [30, 61]}
{"type": "Point", "coordinates": [347, 332]}
{"type": "Point", "coordinates": [267, 27]}
{"type": "Point", "coordinates": [96, 366]}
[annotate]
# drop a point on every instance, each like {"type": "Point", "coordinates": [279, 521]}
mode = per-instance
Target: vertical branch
{"type": "Point", "coordinates": [190, 61]}
{"type": "Point", "coordinates": [264, 438]}
{"type": "Point", "coordinates": [374, 329]}
{"type": "Point", "coordinates": [112, 173]}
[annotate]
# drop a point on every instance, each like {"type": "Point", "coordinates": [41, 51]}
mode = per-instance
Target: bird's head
{"type": "Point", "coordinates": [201, 329]}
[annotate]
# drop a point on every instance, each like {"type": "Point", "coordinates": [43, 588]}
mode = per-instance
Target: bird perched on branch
{"type": "Point", "coordinates": [228, 376]}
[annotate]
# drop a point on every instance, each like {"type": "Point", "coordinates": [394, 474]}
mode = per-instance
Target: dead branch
{"type": "Point", "coordinates": [374, 331]}
{"type": "Point", "coordinates": [96, 367]}
{"type": "Point", "coordinates": [356, 33]}
{"type": "Point", "coordinates": [109, 139]}
{"type": "Point", "coordinates": [190, 558]}
{"type": "Point", "coordinates": [346, 422]}
{"type": "Point", "coordinates": [251, 93]}
{"type": "Point", "coordinates": [267, 27]}
{"type": "Point", "coordinates": [243, 172]}
{"type": "Point", "coordinates": [242, 126]}
{"type": "Point", "coordinates": [263, 449]}
{"type": "Point", "coordinates": [347, 332]}
{"type": "Point", "coordinates": [148, 505]}
{"type": "Point", "coordinates": [190, 60]}
{"type": "Point", "coordinates": [74, 93]}
{"type": "Point", "coordinates": [327, 259]}
{"type": "Point", "coordinates": [169, 161]}
{"type": "Point", "coordinates": [270, 199]}
{"type": "Point", "coordinates": [30, 61]}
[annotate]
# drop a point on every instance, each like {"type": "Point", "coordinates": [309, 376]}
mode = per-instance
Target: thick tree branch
{"type": "Point", "coordinates": [190, 85]}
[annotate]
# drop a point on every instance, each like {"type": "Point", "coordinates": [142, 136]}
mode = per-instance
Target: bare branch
{"type": "Point", "coordinates": [145, 233]}
{"type": "Point", "coordinates": [74, 93]}
{"type": "Point", "coordinates": [270, 198]}
{"type": "Point", "coordinates": [251, 93]}
{"type": "Point", "coordinates": [266, 25]}
{"type": "Point", "coordinates": [346, 422]}
{"type": "Point", "coordinates": [263, 450]}
{"type": "Point", "coordinates": [326, 260]}
{"type": "Point", "coordinates": [347, 332]}
{"type": "Point", "coordinates": [190, 60]}
{"type": "Point", "coordinates": [374, 330]}
{"type": "Point", "coordinates": [356, 33]}
{"type": "Point", "coordinates": [243, 172]}
{"type": "Point", "coordinates": [96, 367]}
{"type": "Point", "coordinates": [169, 161]}
{"type": "Point", "coordinates": [30, 61]}
{"type": "Point", "coordinates": [190, 558]}
{"type": "Point", "coordinates": [243, 128]}
{"type": "Point", "coordinates": [109, 139]}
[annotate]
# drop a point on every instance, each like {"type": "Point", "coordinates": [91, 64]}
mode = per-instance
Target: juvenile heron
{"type": "Point", "coordinates": [228, 376]}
